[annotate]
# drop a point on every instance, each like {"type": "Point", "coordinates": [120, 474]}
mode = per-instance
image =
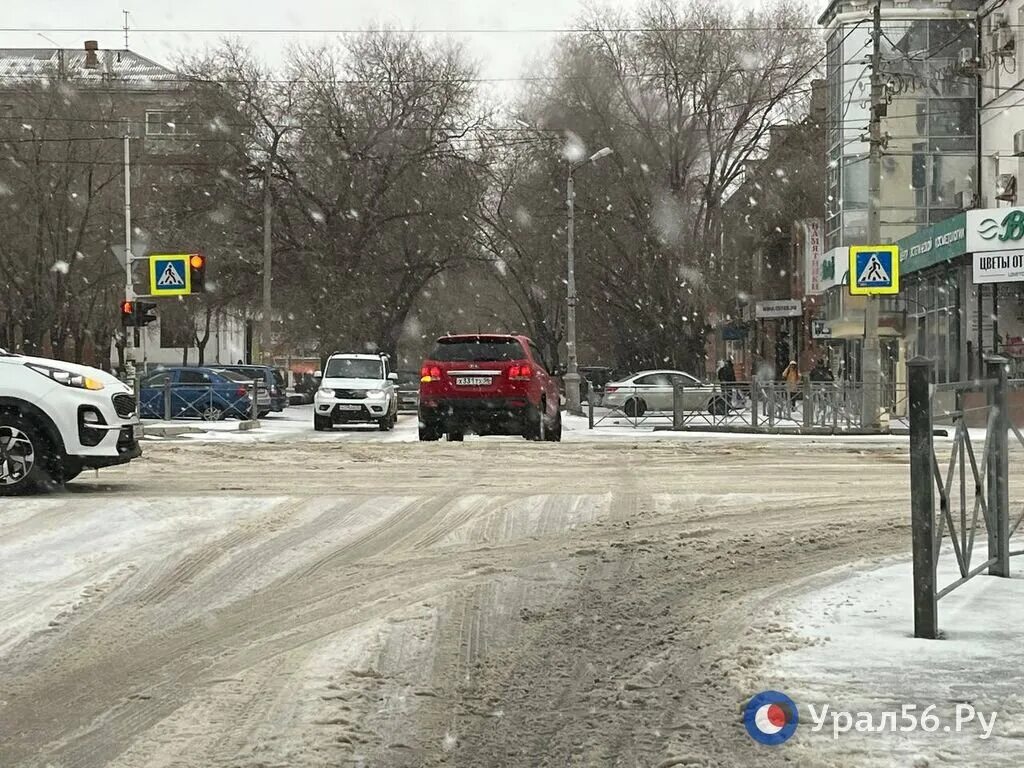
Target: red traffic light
{"type": "Point", "coordinates": [127, 308]}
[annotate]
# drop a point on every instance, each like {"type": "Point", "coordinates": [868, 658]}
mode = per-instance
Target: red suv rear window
{"type": "Point", "coordinates": [480, 350]}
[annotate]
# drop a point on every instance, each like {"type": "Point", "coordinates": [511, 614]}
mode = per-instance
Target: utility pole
{"type": "Point", "coordinates": [268, 264]}
{"type": "Point", "coordinates": [572, 376]}
{"type": "Point", "coordinates": [871, 353]}
{"type": "Point", "coordinates": [129, 291]}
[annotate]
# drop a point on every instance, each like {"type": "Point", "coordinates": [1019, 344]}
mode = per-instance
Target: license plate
{"type": "Point", "coordinates": [348, 407]}
{"type": "Point", "coordinates": [138, 432]}
{"type": "Point", "coordinates": [472, 381]}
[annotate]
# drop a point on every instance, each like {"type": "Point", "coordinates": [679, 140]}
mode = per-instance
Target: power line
{"type": "Point", "coordinates": [418, 31]}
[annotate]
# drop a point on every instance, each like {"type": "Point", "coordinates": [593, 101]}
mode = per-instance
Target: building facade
{"type": "Point", "coordinates": [930, 159]}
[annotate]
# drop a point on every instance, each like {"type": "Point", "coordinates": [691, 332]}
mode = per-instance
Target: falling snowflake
{"type": "Point", "coordinates": [60, 266]}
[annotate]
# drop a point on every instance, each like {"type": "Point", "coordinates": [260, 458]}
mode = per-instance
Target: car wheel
{"type": "Point", "coordinates": [429, 434]}
{"type": "Point", "coordinates": [535, 427]}
{"type": "Point", "coordinates": [211, 413]}
{"type": "Point", "coordinates": [261, 414]}
{"type": "Point", "coordinates": [554, 432]}
{"type": "Point", "coordinates": [455, 436]}
{"type": "Point", "coordinates": [321, 423]}
{"type": "Point", "coordinates": [384, 423]}
{"type": "Point", "coordinates": [635, 407]}
{"type": "Point", "coordinates": [27, 461]}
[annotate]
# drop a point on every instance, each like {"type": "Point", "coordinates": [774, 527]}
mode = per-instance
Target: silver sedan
{"type": "Point", "coordinates": [652, 391]}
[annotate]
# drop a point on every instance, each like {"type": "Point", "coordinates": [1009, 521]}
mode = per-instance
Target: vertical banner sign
{"type": "Point", "coordinates": [813, 238]}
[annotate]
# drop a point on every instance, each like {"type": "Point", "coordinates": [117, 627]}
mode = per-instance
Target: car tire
{"type": "Point", "coordinates": [429, 434]}
{"type": "Point", "coordinates": [321, 423]}
{"type": "Point", "coordinates": [261, 414]}
{"type": "Point", "coordinates": [455, 436]}
{"type": "Point", "coordinates": [212, 413]}
{"type": "Point", "coordinates": [535, 427]}
{"type": "Point", "coordinates": [27, 460]}
{"type": "Point", "coordinates": [554, 432]}
{"type": "Point", "coordinates": [635, 407]}
{"type": "Point", "coordinates": [384, 424]}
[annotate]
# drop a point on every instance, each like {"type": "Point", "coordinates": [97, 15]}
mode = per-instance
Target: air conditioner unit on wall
{"type": "Point", "coordinates": [1005, 40]}
{"type": "Point", "coordinates": [1006, 187]}
{"type": "Point", "coordinates": [966, 200]}
{"type": "Point", "coordinates": [1018, 143]}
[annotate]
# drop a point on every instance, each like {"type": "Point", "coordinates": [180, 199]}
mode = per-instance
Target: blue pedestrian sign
{"type": "Point", "coordinates": [169, 275]}
{"type": "Point", "coordinates": [874, 269]}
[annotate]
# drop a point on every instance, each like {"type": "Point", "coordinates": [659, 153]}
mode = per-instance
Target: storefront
{"type": "Point", "coordinates": [961, 291]}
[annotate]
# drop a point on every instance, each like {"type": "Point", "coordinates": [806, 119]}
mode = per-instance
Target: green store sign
{"type": "Point", "coordinates": [938, 243]}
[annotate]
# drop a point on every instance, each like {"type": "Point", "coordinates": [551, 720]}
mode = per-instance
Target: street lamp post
{"type": "Point", "coordinates": [572, 375]}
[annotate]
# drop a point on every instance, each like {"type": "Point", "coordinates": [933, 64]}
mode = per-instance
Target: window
{"type": "Point", "coordinates": [193, 377]}
{"type": "Point", "coordinates": [478, 350]}
{"type": "Point", "coordinates": [157, 380]}
{"type": "Point", "coordinates": [683, 380]}
{"type": "Point", "coordinates": [353, 368]}
{"type": "Point", "coordinates": [166, 123]}
{"type": "Point", "coordinates": [951, 117]}
{"type": "Point", "coordinates": [654, 380]}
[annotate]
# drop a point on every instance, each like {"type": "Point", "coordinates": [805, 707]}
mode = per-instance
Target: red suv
{"type": "Point", "coordinates": [492, 384]}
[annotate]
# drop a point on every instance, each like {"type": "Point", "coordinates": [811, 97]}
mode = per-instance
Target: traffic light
{"type": "Point", "coordinates": [145, 313]}
{"type": "Point", "coordinates": [136, 314]}
{"type": "Point", "coordinates": [197, 266]}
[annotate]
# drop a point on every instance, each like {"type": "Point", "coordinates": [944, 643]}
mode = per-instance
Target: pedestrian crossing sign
{"type": "Point", "coordinates": [874, 269]}
{"type": "Point", "coordinates": [169, 275]}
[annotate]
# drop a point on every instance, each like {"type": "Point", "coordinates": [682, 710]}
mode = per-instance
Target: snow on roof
{"type": "Point", "coordinates": [117, 66]}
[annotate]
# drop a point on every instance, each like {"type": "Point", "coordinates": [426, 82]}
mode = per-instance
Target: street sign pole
{"type": "Point", "coordinates": [871, 356]}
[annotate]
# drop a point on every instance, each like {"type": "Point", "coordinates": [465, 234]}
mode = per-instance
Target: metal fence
{"type": "Point", "coordinates": [197, 401]}
{"type": "Point", "coordinates": [657, 412]}
{"type": "Point", "coordinates": [971, 483]}
{"type": "Point", "coordinates": [811, 407]}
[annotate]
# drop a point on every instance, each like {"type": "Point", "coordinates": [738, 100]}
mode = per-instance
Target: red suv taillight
{"type": "Point", "coordinates": [520, 372]}
{"type": "Point", "coordinates": [611, 389]}
{"type": "Point", "coordinates": [430, 373]}
{"type": "Point", "coordinates": [241, 392]}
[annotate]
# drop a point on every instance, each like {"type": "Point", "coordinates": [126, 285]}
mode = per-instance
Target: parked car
{"type": "Point", "coordinates": [356, 388]}
{"type": "Point", "coordinates": [204, 393]}
{"type": "Point", "coordinates": [653, 391]}
{"type": "Point", "coordinates": [408, 391]}
{"type": "Point", "coordinates": [272, 378]}
{"type": "Point", "coordinates": [487, 384]}
{"type": "Point", "coordinates": [57, 419]}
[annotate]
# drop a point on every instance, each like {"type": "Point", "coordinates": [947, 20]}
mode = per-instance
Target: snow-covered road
{"type": "Point", "coordinates": [306, 599]}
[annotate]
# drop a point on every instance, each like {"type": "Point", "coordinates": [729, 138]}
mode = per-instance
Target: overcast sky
{"type": "Point", "coordinates": [501, 54]}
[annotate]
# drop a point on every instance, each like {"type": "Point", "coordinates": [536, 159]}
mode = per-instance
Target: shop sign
{"type": "Point", "coordinates": [813, 240]}
{"type": "Point", "coordinates": [995, 229]}
{"type": "Point", "coordinates": [781, 308]}
{"type": "Point", "coordinates": [999, 267]}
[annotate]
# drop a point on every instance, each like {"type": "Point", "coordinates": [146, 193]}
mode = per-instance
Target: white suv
{"type": "Point", "coordinates": [356, 388]}
{"type": "Point", "coordinates": [57, 419]}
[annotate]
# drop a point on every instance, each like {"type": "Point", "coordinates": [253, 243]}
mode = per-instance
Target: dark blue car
{"type": "Point", "coordinates": [199, 393]}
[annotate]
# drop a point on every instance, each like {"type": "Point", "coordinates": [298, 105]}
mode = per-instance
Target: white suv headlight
{"type": "Point", "coordinates": [67, 378]}
{"type": "Point", "coordinates": [326, 392]}
{"type": "Point", "coordinates": [375, 393]}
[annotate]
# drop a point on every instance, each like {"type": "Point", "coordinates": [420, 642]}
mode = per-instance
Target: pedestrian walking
{"type": "Point", "coordinates": [727, 378]}
{"type": "Point", "coordinates": [791, 376]}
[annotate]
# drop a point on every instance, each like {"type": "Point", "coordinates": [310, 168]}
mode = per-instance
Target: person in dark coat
{"type": "Point", "coordinates": [821, 372]}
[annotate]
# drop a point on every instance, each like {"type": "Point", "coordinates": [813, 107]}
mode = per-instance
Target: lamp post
{"type": "Point", "coordinates": [572, 376]}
